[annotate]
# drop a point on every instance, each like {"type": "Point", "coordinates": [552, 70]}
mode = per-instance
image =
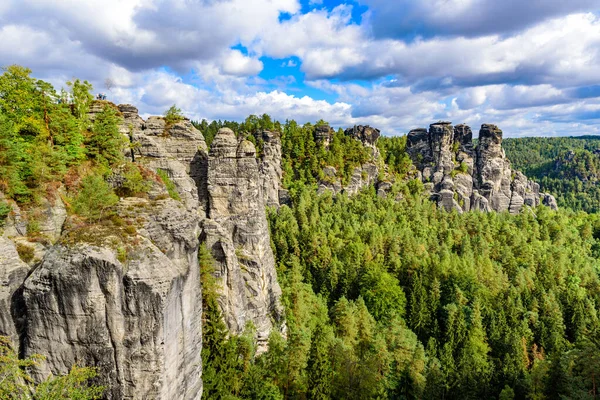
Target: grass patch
{"type": "Point", "coordinates": [26, 253]}
{"type": "Point", "coordinates": [171, 189]}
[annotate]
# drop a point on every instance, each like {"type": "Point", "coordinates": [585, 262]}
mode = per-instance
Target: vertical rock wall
{"type": "Point", "coordinates": [137, 320]}
{"type": "Point", "coordinates": [463, 178]}
{"type": "Point", "coordinates": [237, 234]}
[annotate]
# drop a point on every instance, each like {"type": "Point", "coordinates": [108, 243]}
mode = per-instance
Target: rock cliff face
{"type": "Point", "coordinates": [237, 234]}
{"type": "Point", "coordinates": [130, 303]}
{"type": "Point", "coordinates": [12, 274]}
{"type": "Point", "coordinates": [270, 172]}
{"type": "Point", "coordinates": [229, 190]}
{"type": "Point", "coordinates": [362, 176]}
{"type": "Point", "coordinates": [323, 135]}
{"type": "Point", "coordinates": [135, 316]}
{"type": "Point", "coordinates": [461, 177]}
{"type": "Point", "coordinates": [178, 149]}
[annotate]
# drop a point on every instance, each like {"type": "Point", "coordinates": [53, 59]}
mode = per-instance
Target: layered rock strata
{"type": "Point", "coordinates": [136, 316]}
{"type": "Point", "coordinates": [178, 149]}
{"type": "Point", "coordinates": [130, 304]}
{"type": "Point", "coordinates": [237, 234]}
{"type": "Point", "coordinates": [462, 177]}
{"type": "Point", "coordinates": [269, 168]}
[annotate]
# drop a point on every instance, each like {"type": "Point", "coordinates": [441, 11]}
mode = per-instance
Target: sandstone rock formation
{"type": "Point", "coordinates": [237, 234]}
{"type": "Point", "coordinates": [462, 178]}
{"type": "Point", "coordinates": [178, 149]}
{"type": "Point", "coordinates": [362, 176]}
{"type": "Point", "coordinates": [367, 136]}
{"type": "Point", "coordinates": [323, 134]}
{"type": "Point", "coordinates": [12, 274]}
{"type": "Point", "coordinates": [138, 319]}
{"type": "Point", "coordinates": [270, 172]}
{"type": "Point", "coordinates": [130, 304]}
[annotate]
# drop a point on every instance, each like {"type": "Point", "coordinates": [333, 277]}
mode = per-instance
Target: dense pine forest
{"type": "Point", "coordinates": [389, 299]}
{"type": "Point", "coordinates": [386, 297]}
{"type": "Point", "coordinates": [568, 167]}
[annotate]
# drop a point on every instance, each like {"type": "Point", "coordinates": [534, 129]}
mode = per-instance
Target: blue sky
{"type": "Point", "coordinates": [532, 67]}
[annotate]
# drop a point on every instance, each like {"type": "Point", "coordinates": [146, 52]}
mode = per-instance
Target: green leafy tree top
{"type": "Point", "coordinates": [173, 115]}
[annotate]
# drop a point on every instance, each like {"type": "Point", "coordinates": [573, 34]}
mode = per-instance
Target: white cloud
{"type": "Point", "coordinates": [524, 80]}
{"type": "Point", "coordinates": [235, 63]}
{"type": "Point", "coordinates": [465, 17]}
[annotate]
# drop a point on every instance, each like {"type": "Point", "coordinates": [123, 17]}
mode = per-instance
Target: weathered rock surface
{"type": "Point", "coordinates": [237, 234]}
{"type": "Point", "coordinates": [137, 320]}
{"type": "Point", "coordinates": [367, 136]}
{"type": "Point", "coordinates": [269, 169]}
{"type": "Point", "coordinates": [323, 134]}
{"type": "Point", "coordinates": [52, 218]}
{"type": "Point", "coordinates": [362, 176]}
{"type": "Point", "coordinates": [178, 149]}
{"type": "Point", "coordinates": [12, 274]}
{"type": "Point", "coordinates": [130, 304]}
{"type": "Point", "coordinates": [462, 178]}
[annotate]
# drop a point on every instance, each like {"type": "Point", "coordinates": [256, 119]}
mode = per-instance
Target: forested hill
{"type": "Point", "coordinates": [567, 167]}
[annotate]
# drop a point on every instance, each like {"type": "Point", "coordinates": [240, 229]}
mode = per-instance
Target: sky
{"type": "Point", "coordinates": [530, 66]}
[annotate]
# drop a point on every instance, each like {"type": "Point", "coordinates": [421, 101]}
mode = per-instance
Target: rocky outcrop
{"type": "Point", "coordinates": [12, 274]}
{"type": "Point", "coordinates": [367, 136]}
{"type": "Point", "coordinates": [270, 172]}
{"type": "Point", "coordinates": [323, 134]}
{"type": "Point", "coordinates": [134, 314]}
{"type": "Point", "coordinates": [237, 235]}
{"type": "Point", "coordinates": [178, 149]}
{"type": "Point", "coordinates": [362, 176]}
{"type": "Point", "coordinates": [230, 192]}
{"type": "Point", "coordinates": [124, 296]}
{"type": "Point", "coordinates": [463, 178]}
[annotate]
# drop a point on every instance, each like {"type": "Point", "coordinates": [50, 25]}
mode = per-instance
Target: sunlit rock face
{"type": "Point", "coordinates": [462, 177]}
{"type": "Point", "coordinates": [237, 234]}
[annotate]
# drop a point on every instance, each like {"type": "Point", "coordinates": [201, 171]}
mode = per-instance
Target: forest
{"type": "Point", "coordinates": [568, 167]}
{"type": "Point", "coordinates": [400, 300]}
{"type": "Point", "coordinates": [385, 297]}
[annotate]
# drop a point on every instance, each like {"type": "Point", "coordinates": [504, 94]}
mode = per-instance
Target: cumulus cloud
{"type": "Point", "coordinates": [524, 65]}
{"type": "Point", "coordinates": [562, 51]}
{"type": "Point", "coordinates": [429, 18]}
{"type": "Point", "coordinates": [235, 63]}
{"type": "Point", "coordinates": [142, 34]}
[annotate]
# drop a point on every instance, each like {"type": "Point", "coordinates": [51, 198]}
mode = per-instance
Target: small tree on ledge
{"type": "Point", "coordinates": [173, 115]}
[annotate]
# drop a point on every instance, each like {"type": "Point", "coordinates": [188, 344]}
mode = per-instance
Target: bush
{"type": "Point", "coordinates": [164, 177]}
{"type": "Point", "coordinates": [173, 115]}
{"type": "Point", "coordinates": [5, 209]}
{"type": "Point", "coordinates": [26, 253]}
{"type": "Point", "coordinates": [95, 197]}
{"type": "Point", "coordinates": [17, 384]}
{"type": "Point", "coordinates": [134, 181]}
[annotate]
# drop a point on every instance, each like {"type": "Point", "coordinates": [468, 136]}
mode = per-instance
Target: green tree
{"type": "Point", "coordinates": [94, 198]}
{"type": "Point", "coordinates": [105, 143]}
{"type": "Point", "coordinates": [81, 97]}
{"type": "Point", "coordinates": [15, 382]}
{"type": "Point", "coordinates": [320, 374]}
{"type": "Point", "coordinates": [173, 115]}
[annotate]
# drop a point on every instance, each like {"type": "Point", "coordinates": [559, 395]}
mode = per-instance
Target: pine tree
{"type": "Point", "coordinates": [320, 374]}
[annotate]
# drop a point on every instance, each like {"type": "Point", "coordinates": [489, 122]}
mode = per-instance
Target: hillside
{"type": "Point", "coordinates": [177, 259]}
{"type": "Point", "coordinates": [567, 167]}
